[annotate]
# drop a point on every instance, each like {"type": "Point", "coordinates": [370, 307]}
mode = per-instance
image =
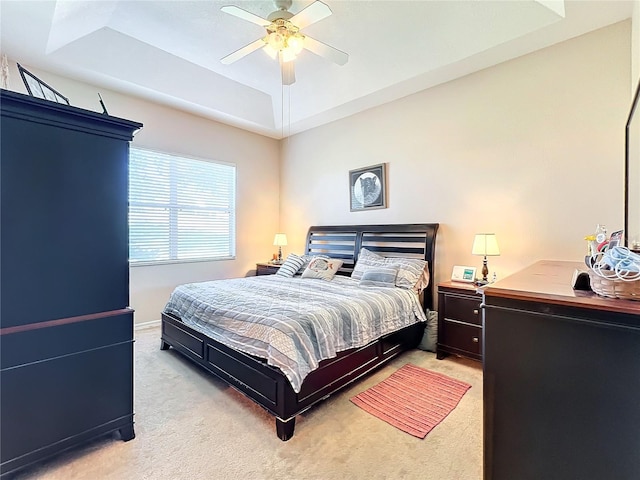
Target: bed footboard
{"type": "Point", "coordinates": [268, 386]}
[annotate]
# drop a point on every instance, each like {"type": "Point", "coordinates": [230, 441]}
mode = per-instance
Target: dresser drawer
{"type": "Point", "coordinates": [463, 309]}
{"type": "Point", "coordinates": [462, 337]}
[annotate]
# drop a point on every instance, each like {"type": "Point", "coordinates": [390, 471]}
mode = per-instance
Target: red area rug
{"type": "Point", "coordinates": [413, 399]}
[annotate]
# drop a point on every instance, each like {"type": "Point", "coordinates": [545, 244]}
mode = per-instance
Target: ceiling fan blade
{"type": "Point", "coordinates": [288, 72]}
{"type": "Point", "coordinates": [243, 14]}
{"type": "Point", "coordinates": [311, 14]}
{"type": "Point", "coordinates": [325, 51]}
{"type": "Point", "coordinates": [244, 51]}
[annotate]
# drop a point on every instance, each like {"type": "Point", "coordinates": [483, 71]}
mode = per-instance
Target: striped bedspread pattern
{"type": "Point", "coordinates": [293, 323]}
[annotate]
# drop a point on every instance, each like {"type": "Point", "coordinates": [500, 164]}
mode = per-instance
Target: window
{"type": "Point", "coordinates": [180, 209]}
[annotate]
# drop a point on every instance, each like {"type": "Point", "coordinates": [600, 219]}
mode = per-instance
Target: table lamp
{"type": "Point", "coordinates": [485, 244]}
{"type": "Point", "coordinates": [280, 240]}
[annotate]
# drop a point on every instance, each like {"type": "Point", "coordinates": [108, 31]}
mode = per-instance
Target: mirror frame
{"type": "Point", "coordinates": [630, 130]}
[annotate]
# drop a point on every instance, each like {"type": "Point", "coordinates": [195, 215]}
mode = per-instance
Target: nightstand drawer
{"type": "Point", "coordinates": [462, 337]}
{"type": "Point", "coordinates": [459, 321]}
{"type": "Point", "coordinates": [463, 309]}
{"type": "Point", "coordinates": [266, 268]}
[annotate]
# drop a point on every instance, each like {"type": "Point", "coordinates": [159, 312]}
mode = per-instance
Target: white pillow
{"type": "Point", "coordinates": [322, 268]}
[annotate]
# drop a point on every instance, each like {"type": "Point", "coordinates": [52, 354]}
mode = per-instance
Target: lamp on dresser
{"type": "Point", "coordinates": [485, 244]}
{"type": "Point", "coordinates": [280, 240]}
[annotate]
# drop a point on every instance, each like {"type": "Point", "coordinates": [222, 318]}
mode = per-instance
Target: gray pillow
{"type": "Point", "coordinates": [366, 260]}
{"type": "Point", "coordinates": [430, 335]}
{"type": "Point", "coordinates": [379, 277]}
{"type": "Point", "coordinates": [413, 273]}
{"type": "Point", "coordinates": [290, 266]}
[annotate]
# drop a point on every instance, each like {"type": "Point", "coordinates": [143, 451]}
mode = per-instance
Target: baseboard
{"type": "Point", "coordinates": [143, 325]}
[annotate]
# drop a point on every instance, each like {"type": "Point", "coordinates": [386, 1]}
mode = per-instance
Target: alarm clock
{"type": "Point", "coordinates": [463, 274]}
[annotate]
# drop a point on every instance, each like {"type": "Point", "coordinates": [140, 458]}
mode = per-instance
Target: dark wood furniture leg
{"type": "Point", "coordinates": [285, 429]}
{"type": "Point", "coordinates": [127, 433]}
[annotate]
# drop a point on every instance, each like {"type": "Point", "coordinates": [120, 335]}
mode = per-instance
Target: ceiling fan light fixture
{"type": "Point", "coordinates": [275, 41]}
{"type": "Point", "coordinates": [296, 42]}
{"type": "Point", "coordinates": [273, 53]}
{"type": "Point", "coordinates": [287, 54]}
{"type": "Point", "coordinates": [284, 37]}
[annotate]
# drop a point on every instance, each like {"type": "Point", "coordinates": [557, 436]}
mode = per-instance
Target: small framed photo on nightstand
{"type": "Point", "coordinates": [463, 274]}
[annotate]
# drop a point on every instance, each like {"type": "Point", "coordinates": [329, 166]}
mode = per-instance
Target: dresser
{"type": "Point", "coordinates": [561, 379]}
{"type": "Point", "coordinates": [459, 320]}
{"type": "Point", "coordinates": [66, 329]}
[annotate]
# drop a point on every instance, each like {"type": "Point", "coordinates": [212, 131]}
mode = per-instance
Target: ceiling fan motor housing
{"type": "Point", "coordinates": [283, 6]}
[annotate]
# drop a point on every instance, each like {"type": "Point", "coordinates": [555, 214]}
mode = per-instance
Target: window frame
{"type": "Point", "coordinates": [173, 213]}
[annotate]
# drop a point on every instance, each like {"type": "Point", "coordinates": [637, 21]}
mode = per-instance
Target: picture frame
{"type": "Point", "coordinates": [368, 188]}
{"type": "Point", "coordinates": [39, 89]}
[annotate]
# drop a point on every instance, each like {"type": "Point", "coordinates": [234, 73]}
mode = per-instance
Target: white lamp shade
{"type": "Point", "coordinates": [485, 244]}
{"type": "Point", "coordinates": [280, 239]}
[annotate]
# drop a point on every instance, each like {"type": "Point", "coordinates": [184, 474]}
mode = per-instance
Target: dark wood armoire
{"type": "Point", "coordinates": [66, 329]}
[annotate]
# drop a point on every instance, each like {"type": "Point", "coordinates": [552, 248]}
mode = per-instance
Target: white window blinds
{"type": "Point", "coordinates": [180, 209]}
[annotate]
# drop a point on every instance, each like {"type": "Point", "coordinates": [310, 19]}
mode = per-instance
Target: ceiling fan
{"type": "Point", "coordinates": [283, 38]}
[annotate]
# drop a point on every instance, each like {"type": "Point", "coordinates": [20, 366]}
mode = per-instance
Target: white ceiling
{"type": "Point", "coordinates": [170, 51]}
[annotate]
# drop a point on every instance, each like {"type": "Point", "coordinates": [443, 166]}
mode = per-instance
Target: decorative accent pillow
{"type": "Point", "coordinates": [379, 277]}
{"type": "Point", "coordinates": [290, 266]}
{"type": "Point", "coordinates": [322, 268]}
{"type": "Point", "coordinates": [306, 259]}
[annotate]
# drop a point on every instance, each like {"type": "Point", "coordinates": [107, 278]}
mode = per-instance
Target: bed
{"type": "Point", "coordinates": [273, 387]}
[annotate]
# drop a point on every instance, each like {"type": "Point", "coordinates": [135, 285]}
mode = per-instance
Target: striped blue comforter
{"type": "Point", "coordinates": [293, 323]}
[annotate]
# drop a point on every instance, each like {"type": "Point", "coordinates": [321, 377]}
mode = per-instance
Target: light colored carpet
{"type": "Point", "coordinates": [191, 426]}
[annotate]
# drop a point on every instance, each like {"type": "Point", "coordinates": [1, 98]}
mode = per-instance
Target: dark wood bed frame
{"type": "Point", "coordinates": [267, 385]}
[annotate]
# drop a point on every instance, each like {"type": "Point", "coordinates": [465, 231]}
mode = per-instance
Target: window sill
{"type": "Point", "coordinates": [172, 262]}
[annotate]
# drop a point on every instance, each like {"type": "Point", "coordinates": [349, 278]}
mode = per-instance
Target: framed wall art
{"type": "Point", "coordinates": [368, 188]}
{"type": "Point", "coordinates": [37, 88]}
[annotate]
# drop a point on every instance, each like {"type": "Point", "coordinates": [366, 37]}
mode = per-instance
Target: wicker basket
{"type": "Point", "coordinates": [614, 287]}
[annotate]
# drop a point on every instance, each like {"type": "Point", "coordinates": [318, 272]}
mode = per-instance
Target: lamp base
{"type": "Point", "coordinates": [485, 271]}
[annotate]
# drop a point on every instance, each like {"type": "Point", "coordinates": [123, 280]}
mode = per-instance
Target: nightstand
{"type": "Point", "coordinates": [266, 268]}
{"type": "Point", "coordinates": [459, 320]}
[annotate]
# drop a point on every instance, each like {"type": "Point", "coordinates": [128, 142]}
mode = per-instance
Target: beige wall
{"type": "Point", "coordinates": [168, 130]}
{"type": "Point", "coordinates": [531, 149]}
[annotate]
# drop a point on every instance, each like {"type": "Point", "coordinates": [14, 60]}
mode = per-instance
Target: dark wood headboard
{"type": "Point", "coordinates": [414, 240]}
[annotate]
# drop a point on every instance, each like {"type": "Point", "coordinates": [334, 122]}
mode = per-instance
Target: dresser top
{"type": "Point", "coordinates": [550, 281]}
